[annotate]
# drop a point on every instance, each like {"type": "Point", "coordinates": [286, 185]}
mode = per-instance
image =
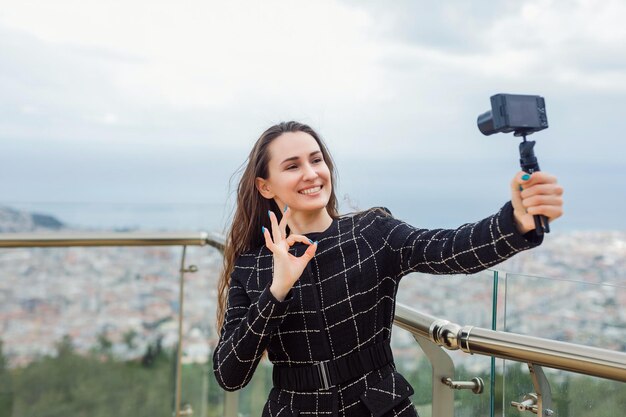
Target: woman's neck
{"type": "Point", "coordinates": [302, 223]}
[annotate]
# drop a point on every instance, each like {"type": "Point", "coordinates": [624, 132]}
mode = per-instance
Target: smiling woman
{"type": "Point", "coordinates": [298, 178]}
{"type": "Point", "coordinates": [317, 290]}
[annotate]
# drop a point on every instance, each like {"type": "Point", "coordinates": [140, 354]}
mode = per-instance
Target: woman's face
{"type": "Point", "coordinates": [298, 175]}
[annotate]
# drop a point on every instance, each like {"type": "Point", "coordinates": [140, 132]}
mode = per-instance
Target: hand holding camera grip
{"type": "Point", "coordinates": [528, 162]}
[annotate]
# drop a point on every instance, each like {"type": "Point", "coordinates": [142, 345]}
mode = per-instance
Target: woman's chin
{"type": "Point", "coordinates": [309, 205]}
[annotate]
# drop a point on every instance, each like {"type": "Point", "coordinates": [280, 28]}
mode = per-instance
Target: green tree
{"type": "Point", "coordinates": [104, 345]}
{"type": "Point", "coordinates": [65, 346]}
{"type": "Point", "coordinates": [6, 386]}
{"type": "Point", "coordinates": [85, 385]}
{"type": "Point", "coordinates": [129, 339]}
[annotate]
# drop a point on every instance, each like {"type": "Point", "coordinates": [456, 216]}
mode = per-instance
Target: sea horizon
{"type": "Point", "coordinates": [125, 216]}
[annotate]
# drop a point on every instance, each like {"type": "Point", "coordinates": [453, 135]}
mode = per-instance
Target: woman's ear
{"type": "Point", "coordinates": [263, 187]}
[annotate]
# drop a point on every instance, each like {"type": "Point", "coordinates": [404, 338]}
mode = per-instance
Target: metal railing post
{"type": "Point", "coordinates": [443, 367]}
{"type": "Point", "coordinates": [231, 404]}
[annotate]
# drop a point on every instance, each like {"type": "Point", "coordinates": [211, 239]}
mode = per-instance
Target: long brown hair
{"type": "Point", "coordinates": [251, 209]}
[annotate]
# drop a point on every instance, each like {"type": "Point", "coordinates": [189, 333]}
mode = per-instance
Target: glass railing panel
{"type": "Point", "coordinates": [414, 365]}
{"type": "Point", "coordinates": [569, 310]}
{"type": "Point", "coordinates": [253, 396]}
{"type": "Point", "coordinates": [200, 391]}
{"type": "Point", "coordinates": [88, 331]}
{"type": "Point", "coordinates": [461, 299]}
{"type": "Point", "coordinates": [47, 293]}
{"type": "Point", "coordinates": [573, 395]}
{"type": "Point", "coordinates": [580, 310]}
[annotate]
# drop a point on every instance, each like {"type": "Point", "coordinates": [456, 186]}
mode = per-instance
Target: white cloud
{"type": "Point", "coordinates": [218, 72]}
{"type": "Point", "coordinates": [559, 38]}
{"type": "Point", "coordinates": [181, 90]}
{"type": "Point", "coordinates": [109, 119]}
{"type": "Point", "coordinates": [28, 109]}
{"type": "Point", "coordinates": [574, 45]}
{"type": "Point", "coordinates": [210, 55]}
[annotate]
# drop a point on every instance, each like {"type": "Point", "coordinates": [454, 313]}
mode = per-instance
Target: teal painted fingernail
{"type": "Point", "coordinates": [520, 188]}
{"type": "Point", "coordinates": [525, 177]}
{"type": "Point", "coordinates": [263, 229]}
{"type": "Point", "coordinates": [311, 241]}
{"type": "Point", "coordinates": [285, 208]}
{"type": "Point", "coordinates": [269, 214]}
{"type": "Point", "coordinates": [315, 243]}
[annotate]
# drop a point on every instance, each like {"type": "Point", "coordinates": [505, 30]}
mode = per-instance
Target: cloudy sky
{"type": "Point", "coordinates": [159, 102]}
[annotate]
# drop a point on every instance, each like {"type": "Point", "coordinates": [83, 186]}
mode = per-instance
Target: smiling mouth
{"type": "Point", "coordinates": [312, 190]}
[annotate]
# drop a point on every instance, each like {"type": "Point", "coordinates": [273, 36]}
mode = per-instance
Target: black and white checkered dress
{"type": "Point", "coordinates": [344, 302]}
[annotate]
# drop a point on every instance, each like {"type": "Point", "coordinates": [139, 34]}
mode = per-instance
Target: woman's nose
{"type": "Point", "coordinates": [309, 172]}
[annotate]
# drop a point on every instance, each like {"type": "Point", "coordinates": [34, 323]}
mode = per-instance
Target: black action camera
{"type": "Point", "coordinates": [523, 115]}
{"type": "Point", "coordinates": [517, 113]}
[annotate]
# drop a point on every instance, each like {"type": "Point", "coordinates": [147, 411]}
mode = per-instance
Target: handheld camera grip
{"type": "Point", "coordinates": [528, 163]}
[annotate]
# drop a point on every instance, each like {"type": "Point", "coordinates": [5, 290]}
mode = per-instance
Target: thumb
{"type": "Point", "coordinates": [516, 190]}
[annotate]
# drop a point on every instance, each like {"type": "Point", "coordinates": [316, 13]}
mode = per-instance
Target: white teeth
{"type": "Point", "coordinates": [311, 190]}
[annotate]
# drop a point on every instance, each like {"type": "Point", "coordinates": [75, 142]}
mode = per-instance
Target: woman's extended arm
{"type": "Point", "coordinates": [476, 246]}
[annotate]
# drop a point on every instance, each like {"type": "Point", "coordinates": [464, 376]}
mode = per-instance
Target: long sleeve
{"type": "Point", "coordinates": [468, 249]}
{"type": "Point", "coordinates": [246, 333]}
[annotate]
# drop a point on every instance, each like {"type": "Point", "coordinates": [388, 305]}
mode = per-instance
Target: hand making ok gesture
{"type": "Point", "coordinates": [287, 267]}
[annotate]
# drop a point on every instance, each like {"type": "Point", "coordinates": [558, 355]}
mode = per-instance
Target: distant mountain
{"type": "Point", "coordinates": [15, 221]}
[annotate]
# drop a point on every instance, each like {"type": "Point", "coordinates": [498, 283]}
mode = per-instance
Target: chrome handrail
{"type": "Point", "coordinates": [571, 357]}
{"type": "Point", "coordinates": [67, 239]}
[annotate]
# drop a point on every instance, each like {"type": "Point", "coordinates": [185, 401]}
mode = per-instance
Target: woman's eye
{"type": "Point", "coordinates": [317, 160]}
{"type": "Point", "coordinates": [291, 167]}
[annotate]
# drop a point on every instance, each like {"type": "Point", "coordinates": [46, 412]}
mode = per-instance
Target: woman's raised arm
{"type": "Point", "coordinates": [246, 331]}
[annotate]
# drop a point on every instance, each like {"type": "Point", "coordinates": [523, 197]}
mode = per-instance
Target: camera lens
{"type": "Point", "coordinates": [485, 123]}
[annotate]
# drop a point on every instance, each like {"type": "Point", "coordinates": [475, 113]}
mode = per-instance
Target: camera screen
{"type": "Point", "coordinates": [523, 111]}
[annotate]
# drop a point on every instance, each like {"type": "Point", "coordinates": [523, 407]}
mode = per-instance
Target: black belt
{"type": "Point", "coordinates": [329, 373]}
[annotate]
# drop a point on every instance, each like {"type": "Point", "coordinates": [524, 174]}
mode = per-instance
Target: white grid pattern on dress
{"type": "Point", "coordinates": [344, 301]}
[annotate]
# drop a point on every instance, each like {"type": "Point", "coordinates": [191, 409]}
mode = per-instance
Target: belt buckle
{"type": "Point", "coordinates": [324, 374]}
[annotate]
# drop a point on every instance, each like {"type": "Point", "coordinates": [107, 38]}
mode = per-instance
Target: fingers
{"type": "Point", "coordinates": [535, 183]}
{"type": "Point", "coordinates": [537, 194]}
{"type": "Point", "coordinates": [276, 238]}
{"type": "Point", "coordinates": [268, 239]}
{"type": "Point", "coordinates": [551, 212]}
{"type": "Point", "coordinates": [538, 177]}
{"type": "Point", "coordinates": [542, 189]}
{"type": "Point", "coordinates": [283, 222]}
{"type": "Point", "coordinates": [539, 200]}
{"type": "Point", "coordinates": [279, 230]}
{"type": "Point", "coordinates": [275, 229]}
{"type": "Point", "coordinates": [298, 238]}
{"type": "Point", "coordinates": [310, 251]}
{"type": "Point", "coordinates": [526, 180]}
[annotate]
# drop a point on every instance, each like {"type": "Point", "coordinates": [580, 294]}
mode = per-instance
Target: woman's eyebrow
{"type": "Point", "coordinates": [295, 158]}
